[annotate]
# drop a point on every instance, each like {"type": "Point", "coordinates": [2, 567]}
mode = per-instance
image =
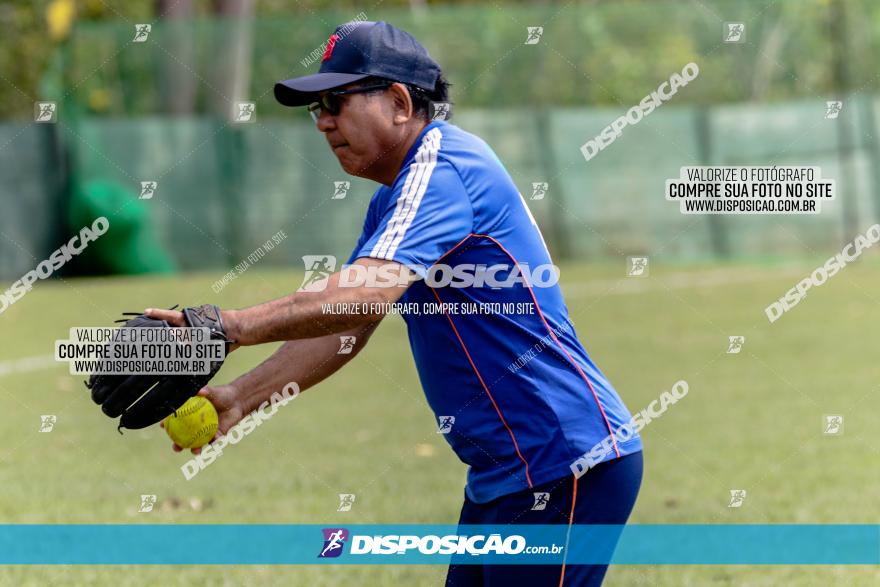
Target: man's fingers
{"type": "Point", "coordinates": [175, 447]}
{"type": "Point", "coordinates": [208, 392]}
{"type": "Point", "coordinates": [170, 316]}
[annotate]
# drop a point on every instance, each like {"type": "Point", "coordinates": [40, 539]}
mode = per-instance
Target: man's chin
{"type": "Point", "coordinates": [349, 166]}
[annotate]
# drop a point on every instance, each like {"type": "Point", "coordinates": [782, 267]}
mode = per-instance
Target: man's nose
{"type": "Point", "coordinates": [326, 121]}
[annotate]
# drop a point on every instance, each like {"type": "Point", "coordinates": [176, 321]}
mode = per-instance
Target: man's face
{"type": "Point", "coordinates": [362, 132]}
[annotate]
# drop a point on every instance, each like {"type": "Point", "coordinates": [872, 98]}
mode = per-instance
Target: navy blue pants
{"type": "Point", "coordinates": [603, 495]}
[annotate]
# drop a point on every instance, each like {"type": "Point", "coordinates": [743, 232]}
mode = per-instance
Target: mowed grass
{"type": "Point", "coordinates": [751, 421]}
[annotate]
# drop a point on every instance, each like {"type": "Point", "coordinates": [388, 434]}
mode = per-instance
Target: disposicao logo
{"type": "Point", "coordinates": [334, 541]}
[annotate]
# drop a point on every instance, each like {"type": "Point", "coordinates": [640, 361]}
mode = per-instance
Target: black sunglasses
{"type": "Point", "coordinates": [331, 102]}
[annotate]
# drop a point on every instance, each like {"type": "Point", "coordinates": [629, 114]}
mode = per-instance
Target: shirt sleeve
{"type": "Point", "coordinates": [426, 215]}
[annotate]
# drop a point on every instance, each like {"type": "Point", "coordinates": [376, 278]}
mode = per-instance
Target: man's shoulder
{"type": "Point", "coordinates": [435, 162]}
{"type": "Point", "coordinates": [446, 160]}
{"type": "Point", "coordinates": [446, 141]}
{"type": "Point", "coordinates": [449, 148]}
{"type": "Point", "coordinates": [453, 138]}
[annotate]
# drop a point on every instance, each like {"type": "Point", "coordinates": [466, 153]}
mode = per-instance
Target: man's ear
{"type": "Point", "coordinates": [401, 103]}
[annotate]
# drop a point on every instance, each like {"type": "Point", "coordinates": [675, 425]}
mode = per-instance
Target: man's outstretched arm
{"type": "Point", "coordinates": [304, 362]}
{"type": "Point", "coordinates": [302, 315]}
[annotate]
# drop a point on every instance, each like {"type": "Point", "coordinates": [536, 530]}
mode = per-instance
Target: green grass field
{"type": "Point", "coordinates": [751, 421]}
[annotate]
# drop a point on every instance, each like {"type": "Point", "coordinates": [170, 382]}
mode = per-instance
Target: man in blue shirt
{"type": "Point", "coordinates": [448, 237]}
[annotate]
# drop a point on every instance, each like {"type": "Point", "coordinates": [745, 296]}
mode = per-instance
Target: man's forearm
{"type": "Point", "coordinates": [297, 316]}
{"type": "Point", "coordinates": [303, 362]}
{"type": "Point", "coordinates": [302, 314]}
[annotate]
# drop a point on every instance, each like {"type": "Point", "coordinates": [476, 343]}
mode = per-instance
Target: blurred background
{"type": "Point", "coordinates": [161, 110]}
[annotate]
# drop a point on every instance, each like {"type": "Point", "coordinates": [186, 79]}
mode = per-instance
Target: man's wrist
{"type": "Point", "coordinates": [231, 324]}
{"type": "Point", "coordinates": [238, 395]}
{"type": "Point", "coordinates": [247, 395]}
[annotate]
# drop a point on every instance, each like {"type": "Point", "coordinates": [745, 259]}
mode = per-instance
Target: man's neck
{"type": "Point", "coordinates": [395, 156]}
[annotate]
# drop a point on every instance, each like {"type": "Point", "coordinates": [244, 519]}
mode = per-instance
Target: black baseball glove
{"type": "Point", "coordinates": [120, 395]}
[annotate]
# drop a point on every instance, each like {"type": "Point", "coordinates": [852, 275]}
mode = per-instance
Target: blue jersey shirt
{"type": "Point", "coordinates": [526, 398]}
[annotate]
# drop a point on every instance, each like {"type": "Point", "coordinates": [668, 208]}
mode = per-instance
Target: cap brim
{"type": "Point", "coordinates": [301, 91]}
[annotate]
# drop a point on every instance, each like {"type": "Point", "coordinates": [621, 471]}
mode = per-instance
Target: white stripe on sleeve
{"type": "Point", "coordinates": [414, 188]}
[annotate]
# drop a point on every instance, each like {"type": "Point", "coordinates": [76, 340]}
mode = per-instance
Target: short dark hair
{"type": "Point", "coordinates": [422, 99]}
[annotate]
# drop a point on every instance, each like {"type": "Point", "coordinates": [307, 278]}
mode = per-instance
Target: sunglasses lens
{"type": "Point", "coordinates": [331, 104]}
{"type": "Point", "coordinates": [315, 111]}
{"type": "Point", "coordinates": [328, 103]}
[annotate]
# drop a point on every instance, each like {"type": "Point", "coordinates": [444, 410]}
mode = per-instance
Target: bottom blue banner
{"type": "Point", "coordinates": [440, 544]}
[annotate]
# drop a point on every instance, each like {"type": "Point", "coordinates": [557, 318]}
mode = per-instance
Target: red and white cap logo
{"type": "Point", "coordinates": [331, 42]}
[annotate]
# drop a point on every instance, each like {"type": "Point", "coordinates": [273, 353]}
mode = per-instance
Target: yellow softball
{"type": "Point", "coordinates": [193, 424]}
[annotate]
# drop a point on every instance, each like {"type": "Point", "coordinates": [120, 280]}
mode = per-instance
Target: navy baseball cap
{"type": "Point", "coordinates": [360, 49]}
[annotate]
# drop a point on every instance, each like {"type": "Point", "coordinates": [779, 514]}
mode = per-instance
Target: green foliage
{"type": "Point", "coordinates": [24, 56]}
{"type": "Point", "coordinates": [591, 53]}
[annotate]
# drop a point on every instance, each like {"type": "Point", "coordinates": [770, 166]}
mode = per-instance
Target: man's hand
{"type": "Point", "coordinates": [175, 318]}
{"type": "Point", "coordinates": [145, 398]}
{"type": "Point", "coordinates": [226, 400]}
{"type": "Point", "coordinates": [172, 317]}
